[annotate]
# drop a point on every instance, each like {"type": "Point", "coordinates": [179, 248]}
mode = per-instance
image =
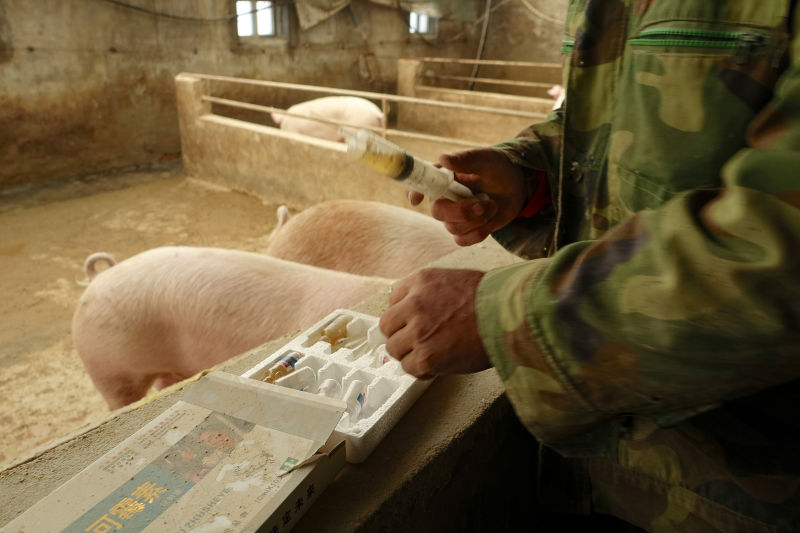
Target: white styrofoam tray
{"type": "Point", "coordinates": [360, 355]}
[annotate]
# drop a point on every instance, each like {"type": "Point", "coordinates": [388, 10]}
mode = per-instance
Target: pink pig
{"type": "Point", "coordinates": [166, 314]}
{"type": "Point", "coordinates": [360, 237]}
{"type": "Point", "coordinates": [350, 110]}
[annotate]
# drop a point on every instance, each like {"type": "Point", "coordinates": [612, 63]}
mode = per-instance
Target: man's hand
{"type": "Point", "coordinates": [431, 325]}
{"type": "Point", "coordinates": [499, 187]}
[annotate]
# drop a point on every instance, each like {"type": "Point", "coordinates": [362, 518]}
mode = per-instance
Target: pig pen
{"type": "Point", "coordinates": [414, 480]}
{"type": "Point", "coordinates": [236, 169]}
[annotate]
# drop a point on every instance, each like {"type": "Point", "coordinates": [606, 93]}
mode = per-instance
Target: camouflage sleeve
{"type": "Point", "coordinates": [537, 147]}
{"type": "Point", "coordinates": [672, 312]}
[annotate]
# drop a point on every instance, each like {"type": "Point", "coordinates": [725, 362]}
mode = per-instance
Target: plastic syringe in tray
{"type": "Point", "coordinates": [344, 357]}
{"type": "Point", "coordinates": [377, 153]}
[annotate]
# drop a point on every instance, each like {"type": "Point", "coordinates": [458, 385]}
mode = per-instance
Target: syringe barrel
{"type": "Point", "coordinates": [425, 178]}
{"type": "Point", "coordinates": [389, 159]}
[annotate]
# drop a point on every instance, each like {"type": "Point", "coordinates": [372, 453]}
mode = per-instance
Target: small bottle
{"type": "Point", "coordinates": [381, 357]}
{"type": "Point", "coordinates": [336, 331]}
{"type": "Point", "coordinates": [355, 397]}
{"type": "Point", "coordinates": [330, 388]}
{"type": "Point", "coordinates": [303, 379]}
{"type": "Point", "coordinates": [284, 366]}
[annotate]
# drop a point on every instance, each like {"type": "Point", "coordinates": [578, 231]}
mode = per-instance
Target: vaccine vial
{"type": "Point", "coordinates": [381, 357]}
{"type": "Point", "coordinates": [355, 397]}
{"type": "Point", "coordinates": [283, 367]}
{"type": "Point", "coordinates": [303, 379]}
{"type": "Point", "coordinates": [330, 388]}
{"type": "Point", "coordinates": [336, 331]}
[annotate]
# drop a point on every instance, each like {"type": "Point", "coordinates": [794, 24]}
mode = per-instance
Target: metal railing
{"type": "Point", "coordinates": [488, 62]}
{"type": "Point", "coordinates": [383, 98]}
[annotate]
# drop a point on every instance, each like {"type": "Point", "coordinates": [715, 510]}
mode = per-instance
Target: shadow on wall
{"type": "Point", "coordinates": [6, 52]}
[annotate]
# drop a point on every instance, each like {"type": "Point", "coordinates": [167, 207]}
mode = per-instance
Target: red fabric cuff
{"type": "Point", "coordinates": [540, 198]}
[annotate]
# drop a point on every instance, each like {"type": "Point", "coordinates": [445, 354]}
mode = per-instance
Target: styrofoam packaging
{"type": "Point", "coordinates": [358, 356]}
{"type": "Point", "coordinates": [302, 379]}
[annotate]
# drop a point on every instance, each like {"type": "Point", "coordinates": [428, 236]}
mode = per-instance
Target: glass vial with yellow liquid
{"type": "Point", "coordinates": [284, 366]}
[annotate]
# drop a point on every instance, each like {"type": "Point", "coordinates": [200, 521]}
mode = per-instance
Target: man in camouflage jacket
{"type": "Point", "coordinates": [657, 336]}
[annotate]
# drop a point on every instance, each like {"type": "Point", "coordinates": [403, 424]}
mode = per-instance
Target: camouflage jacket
{"type": "Point", "coordinates": [659, 338]}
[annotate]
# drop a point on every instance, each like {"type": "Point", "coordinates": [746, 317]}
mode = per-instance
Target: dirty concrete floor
{"type": "Point", "coordinates": [45, 235]}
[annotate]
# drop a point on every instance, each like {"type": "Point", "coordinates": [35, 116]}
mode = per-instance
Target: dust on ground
{"type": "Point", "coordinates": [45, 235]}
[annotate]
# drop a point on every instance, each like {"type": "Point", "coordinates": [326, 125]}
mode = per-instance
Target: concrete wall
{"type": "Point", "coordinates": [516, 33]}
{"type": "Point", "coordinates": [87, 86]}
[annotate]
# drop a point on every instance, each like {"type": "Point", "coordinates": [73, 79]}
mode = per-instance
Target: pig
{"type": "Point", "coordinates": [89, 265]}
{"type": "Point", "coordinates": [558, 93]}
{"type": "Point", "coordinates": [361, 237]}
{"type": "Point", "coordinates": [349, 110]}
{"type": "Point", "coordinates": [168, 313]}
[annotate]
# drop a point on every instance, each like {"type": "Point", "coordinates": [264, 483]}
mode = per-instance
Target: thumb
{"type": "Point", "coordinates": [463, 162]}
{"type": "Point", "coordinates": [473, 161]}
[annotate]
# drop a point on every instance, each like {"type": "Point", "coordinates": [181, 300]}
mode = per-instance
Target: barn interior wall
{"type": "Point", "coordinates": [88, 85]}
{"type": "Point", "coordinates": [524, 30]}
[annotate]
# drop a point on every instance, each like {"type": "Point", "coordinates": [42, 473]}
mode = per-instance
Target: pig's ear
{"type": "Point", "coordinates": [277, 117]}
{"type": "Point", "coordinates": [283, 215]}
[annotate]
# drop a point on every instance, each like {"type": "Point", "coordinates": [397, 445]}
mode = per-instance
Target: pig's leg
{"type": "Point", "coordinates": [119, 389]}
{"type": "Point", "coordinates": [113, 359]}
{"type": "Point", "coordinates": [165, 380]}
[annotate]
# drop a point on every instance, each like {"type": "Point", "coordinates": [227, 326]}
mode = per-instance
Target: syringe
{"type": "Point", "coordinates": [387, 158]}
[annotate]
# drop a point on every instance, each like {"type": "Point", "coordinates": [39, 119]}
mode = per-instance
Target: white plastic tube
{"type": "Point", "coordinates": [330, 388]}
{"type": "Point", "coordinates": [355, 397]}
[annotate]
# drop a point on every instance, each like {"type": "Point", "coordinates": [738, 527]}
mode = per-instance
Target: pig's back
{"type": "Point", "coordinates": [223, 300]}
{"type": "Point", "coordinates": [362, 237]}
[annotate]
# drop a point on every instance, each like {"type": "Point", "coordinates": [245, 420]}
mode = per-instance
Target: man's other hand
{"type": "Point", "coordinates": [431, 326]}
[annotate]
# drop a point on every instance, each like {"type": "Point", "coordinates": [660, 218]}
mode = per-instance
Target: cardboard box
{"type": "Point", "coordinates": [228, 457]}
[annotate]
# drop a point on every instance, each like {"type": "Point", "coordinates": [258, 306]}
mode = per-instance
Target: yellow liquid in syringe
{"type": "Point", "coordinates": [386, 161]}
{"type": "Point", "coordinates": [389, 159]}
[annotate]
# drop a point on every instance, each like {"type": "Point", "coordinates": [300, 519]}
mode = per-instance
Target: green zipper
{"type": "Point", "coordinates": [684, 32]}
{"type": "Point", "coordinates": [698, 38]}
{"type": "Point", "coordinates": [744, 41]}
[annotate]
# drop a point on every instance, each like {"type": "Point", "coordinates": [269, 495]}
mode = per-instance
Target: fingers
{"type": "Point", "coordinates": [393, 319]}
{"type": "Point", "coordinates": [473, 237]}
{"type": "Point", "coordinates": [467, 161]}
{"type": "Point", "coordinates": [398, 292]}
{"type": "Point", "coordinates": [461, 211]}
{"type": "Point", "coordinates": [414, 197]}
{"type": "Point", "coordinates": [469, 221]}
{"type": "Point", "coordinates": [467, 211]}
{"type": "Point", "coordinates": [399, 345]}
{"type": "Point", "coordinates": [399, 338]}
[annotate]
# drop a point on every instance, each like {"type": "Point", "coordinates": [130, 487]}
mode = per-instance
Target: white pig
{"type": "Point", "coordinates": [361, 237]}
{"type": "Point", "coordinates": [165, 314]}
{"type": "Point", "coordinates": [345, 109]}
{"type": "Point", "coordinates": [557, 92]}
